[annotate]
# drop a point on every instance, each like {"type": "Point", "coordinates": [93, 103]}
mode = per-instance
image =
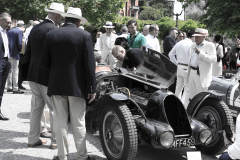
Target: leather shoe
{"type": "Point", "coordinates": [9, 90]}
{"type": "Point", "coordinates": [91, 157]}
{"type": "Point", "coordinates": [21, 87]}
{"type": "Point", "coordinates": [17, 92]}
{"type": "Point", "coordinates": [53, 146]}
{"type": "Point", "coordinates": [56, 158]}
{"type": "Point", "coordinates": [3, 118]}
{"type": "Point", "coordinates": [45, 135]}
{"type": "Point", "coordinates": [38, 143]}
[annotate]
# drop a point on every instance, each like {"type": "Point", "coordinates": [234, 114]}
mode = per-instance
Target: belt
{"type": "Point", "coordinates": [182, 64]}
{"type": "Point", "coordinates": [195, 68]}
{"type": "Point", "coordinates": [5, 58]}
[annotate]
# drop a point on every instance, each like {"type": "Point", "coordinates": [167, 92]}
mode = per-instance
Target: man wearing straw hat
{"type": "Point", "coordinates": [38, 77]}
{"type": "Point", "coordinates": [106, 43]}
{"type": "Point", "coordinates": [202, 56]}
{"type": "Point", "coordinates": [68, 54]}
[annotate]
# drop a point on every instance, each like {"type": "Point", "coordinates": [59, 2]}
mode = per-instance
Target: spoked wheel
{"type": "Point", "coordinates": [118, 133]}
{"type": "Point", "coordinates": [217, 115]}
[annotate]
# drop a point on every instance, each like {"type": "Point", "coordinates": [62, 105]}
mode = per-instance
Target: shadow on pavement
{"type": "Point", "coordinates": [7, 140]}
{"type": "Point", "coordinates": [24, 115]}
{"type": "Point", "coordinates": [12, 156]}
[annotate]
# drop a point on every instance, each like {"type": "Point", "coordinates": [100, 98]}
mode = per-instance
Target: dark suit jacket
{"type": "Point", "coordinates": [168, 44]}
{"type": "Point", "coordinates": [15, 36]}
{"type": "Point", "coordinates": [2, 50]}
{"type": "Point", "coordinates": [68, 54]}
{"type": "Point", "coordinates": [31, 69]}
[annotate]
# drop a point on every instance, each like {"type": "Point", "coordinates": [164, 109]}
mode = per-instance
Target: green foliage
{"type": "Point", "coordinates": [95, 11]}
{"type": "Point", "coordinates": [161, 6]}
{"type": "Point", "coordinates": [149, 13]}
{"type": "Point", "coordinates": [221, 16]}
{"type": "Point", "coordinates": [191, 24]}
{"type": "Point", "coordinates": [165, 24]}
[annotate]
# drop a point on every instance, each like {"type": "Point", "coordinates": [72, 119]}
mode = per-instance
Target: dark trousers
{"type": "Point", "coordinates": [225, 156]}
{"type": "Point", "coordinates": [6, 65]}
{"type": "Point", "coordinates": [233, 65]}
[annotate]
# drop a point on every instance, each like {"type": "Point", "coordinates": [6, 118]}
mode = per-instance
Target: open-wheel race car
{"type": "Point", "coordinates": [136, 106]}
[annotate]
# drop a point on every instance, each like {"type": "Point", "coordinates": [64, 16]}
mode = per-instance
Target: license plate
{"type": "Point", "coordinates": [183, 142]}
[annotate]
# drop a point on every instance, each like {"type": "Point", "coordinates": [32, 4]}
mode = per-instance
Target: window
{"type": "Point", "coordinates": [132, 2]}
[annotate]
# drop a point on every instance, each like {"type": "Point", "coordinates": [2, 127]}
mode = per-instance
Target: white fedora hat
{"type": "Point", "coordinates": [56, 8]}
{"type": "Point", "coordinates": [75, 13]}
{"type": "Point", "coordinates": [200, 32]}
{"type": "Point", "coordinates": [20, 22]}
{"type": "Point", "coordinates": [108, 25]}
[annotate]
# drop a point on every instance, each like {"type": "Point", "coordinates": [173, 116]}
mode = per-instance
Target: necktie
{"type": "Point", "coordinates": [23, 46]}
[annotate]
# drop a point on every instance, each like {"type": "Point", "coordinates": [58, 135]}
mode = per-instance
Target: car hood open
{"type": "Point", "coordinates": [156, 69]}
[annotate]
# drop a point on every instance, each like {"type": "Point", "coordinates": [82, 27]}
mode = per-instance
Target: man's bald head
{"type": "Point", "coordinates": [118, 52]}
{"type": "Point", "coordinates": [35, 23]}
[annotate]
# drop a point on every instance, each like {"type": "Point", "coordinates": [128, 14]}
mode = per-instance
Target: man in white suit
{"type": "Point", "coordinates": [180, 56]}
{"type": "Point", "coordinates": [202, 56]}
{"type": "Point", "coordinates": [106, 44]}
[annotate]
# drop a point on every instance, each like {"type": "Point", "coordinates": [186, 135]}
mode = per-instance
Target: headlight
{"type": "Point", "coordinates": [205, 136]}
{"type": "Point", "coordinates": [166, 139]}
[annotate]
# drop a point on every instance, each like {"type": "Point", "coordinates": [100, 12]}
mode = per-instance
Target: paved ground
{"type": "Point", "coordinates": [13, 137]}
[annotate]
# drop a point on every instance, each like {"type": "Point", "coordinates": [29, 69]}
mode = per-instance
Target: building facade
{"type": "Point", "coordinates": [130, 9]}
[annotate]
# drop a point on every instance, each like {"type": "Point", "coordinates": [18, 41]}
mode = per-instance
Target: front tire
{"type": "Point", "coordinates": [219, 116]}
{"type": "Point", "coordinates": [118, 133]}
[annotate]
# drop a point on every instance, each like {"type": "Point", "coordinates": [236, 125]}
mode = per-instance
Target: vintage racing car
{"type": "Point", "coordinates": [136, 106]}
{"type": "Point", "coordinates": [229, 87]}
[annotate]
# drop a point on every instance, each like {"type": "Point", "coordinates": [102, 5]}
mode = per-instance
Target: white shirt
{"type": "Point", "coordinates": [152, 43]}
{"type": "Point", "coordinates": [181, 51]}
{"type": "Point", "coordinates": [109, 41]}
{"type": "Point", "coordinates": [123, 35]}
{"type": "Point", "coordinates": [50, 20]}
{"type": "Point", "coordinates": [27, 32]}
{"type": "Point", "coordinates": [194, 59]}
{"type": "Point", "coordinates": [5, 42]}
{"type": "Point", "coordinates": [96, 47]}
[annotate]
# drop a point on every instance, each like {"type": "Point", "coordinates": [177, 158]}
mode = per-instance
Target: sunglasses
{"type": "Point", "coordinates": [108, 28]}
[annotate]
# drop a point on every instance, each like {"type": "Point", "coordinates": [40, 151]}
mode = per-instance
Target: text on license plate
{"type": "Point", "coordinates": [183, 142]}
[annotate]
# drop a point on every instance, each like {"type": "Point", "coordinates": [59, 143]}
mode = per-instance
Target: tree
{"type": "Point", "coordinates": [149, 13]}
{"type": "Point", "coordinates": [95, 11]}
{"type": "Point", "coordinates": [221, 16]}
{"type": "Point", "coordinates": [161, 6]}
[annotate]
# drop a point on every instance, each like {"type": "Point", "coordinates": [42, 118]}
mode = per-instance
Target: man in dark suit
{"type": "Point", "coordinates": [5, 23]}
{"type": "Point", "coordinates": [38, 76]}
{"type": "Point", "coordinates": [68, 54]}
{"type": "Point", "coordinates": [15, 37]}
{"type": "Point", "coordinates": [169, 41]}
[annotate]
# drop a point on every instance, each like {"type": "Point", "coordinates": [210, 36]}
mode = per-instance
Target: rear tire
{"type": "Point", "coordinates": [118, 133]}
{"type": "Point", "coordinates": [220, 116]}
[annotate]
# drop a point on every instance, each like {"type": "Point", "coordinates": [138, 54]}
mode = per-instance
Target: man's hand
{"type": "Point", "coordinates": [197, 50]}
{"type": "Point", "coordinates": [91, 97]}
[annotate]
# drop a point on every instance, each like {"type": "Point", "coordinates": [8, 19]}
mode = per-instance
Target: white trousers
{"type": "Point", "coordinates": [181, 80]}
{"type": "Point", "coordinates": [12, 80]}
{"type": "Point", "coordinates": [234, 149]}
{"type": "Point", "coordinates": [76, 107]}
{"type": "Point", "coordinates": [194, 85]}
{"type": "Point", "coordinates": [39, 100]}
{"type": "Point", "coordinates": [45, 120]}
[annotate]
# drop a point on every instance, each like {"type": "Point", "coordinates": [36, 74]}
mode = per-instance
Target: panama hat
{"type": "Point", "coordinates": [200, 32]}
{"type": "Point", "coordinates": [20, 22]}
{"type": "Point", "coordinates": [56, 8]}
{"type": "Point", "coordinates": [108, 25]}
{"type": "Point", "coordinates": [75, 13]}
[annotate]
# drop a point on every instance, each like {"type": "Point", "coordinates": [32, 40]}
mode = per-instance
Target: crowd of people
{"type": "Point", "coordinates": [49, 56]}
